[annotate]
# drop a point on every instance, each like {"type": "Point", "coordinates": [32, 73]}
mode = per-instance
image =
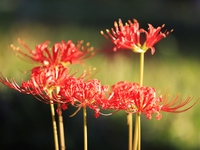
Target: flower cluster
{"type": "Point", "coordinates": [61, 53]}
{"type": "Point", "coordinates": [51, 81]}
{"type": "Point", "coordinates": [128, 36]}
{"type": "Point", "coordinates": [133, 98]}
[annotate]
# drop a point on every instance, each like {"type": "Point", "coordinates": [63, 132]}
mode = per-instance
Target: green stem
{"type": "Point", "coordinates": [141, 69]}
{"type": "Point", "coordinates": [137, 134]}
{"type": "Point", "coordinates": [61, 129]}
{"type": "Point", "coordinates": [139, 131]}
{"type": "Point", "coordinates": [55, 133]}
{"type": "Point", "coordinates": [135, 142]}
{"type": "Point", "coordinates": [85, 128]}
{"type": "Point", "coordinates": [130, 125]}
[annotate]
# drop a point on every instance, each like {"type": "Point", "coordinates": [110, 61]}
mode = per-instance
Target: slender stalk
{"type": "Point", "coordinates": [61, 129]}
{"type": "Point", "coordinates": [85, 128]}
{"type": "Point", "coordinates": [137, 133]}
{"type": "Point", "coordinates": [54, 127]}
{"type": "Point", "coordinates": [135, 142]}
{"type": "Point", "coordinates": [141, 69]}
{"type": "Point", "coordinates": [130, 135]}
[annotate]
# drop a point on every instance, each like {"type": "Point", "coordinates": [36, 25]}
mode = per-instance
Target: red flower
{"type": "Point", "coordinates": [53, 84]}
{"type": "Point", "coordinates": [44, 83]}
{"type": "Point", "coordinates": [60, 53]}
{"type": "Point", "coordinates": [89, 94]}
{"type": "Point", "coordinates": [47, 81]}
{"type": "Point", "coordinates": [128, 36]}
{"type": "Point", "coordinates": [132, 98]}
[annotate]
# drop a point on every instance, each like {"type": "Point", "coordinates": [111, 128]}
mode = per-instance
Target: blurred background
{"type": "Point", "coordinates": [174, 68]}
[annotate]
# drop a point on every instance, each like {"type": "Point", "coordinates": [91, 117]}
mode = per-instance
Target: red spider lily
{"type": "Point", "coordinates": [60, 53]}
{"type": "Point", "coordinates": [49, 76]}
{"type": "Point", "coordinates": [89, 94]}
{"type": "Point", "coordinates": [132, 98]}
{"type": "Point", "coordinates": [128, 36]}
{"type": "Point", "coordinates": [53, 84]}
{"type": "Point", "coordinates": [45, 82]}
